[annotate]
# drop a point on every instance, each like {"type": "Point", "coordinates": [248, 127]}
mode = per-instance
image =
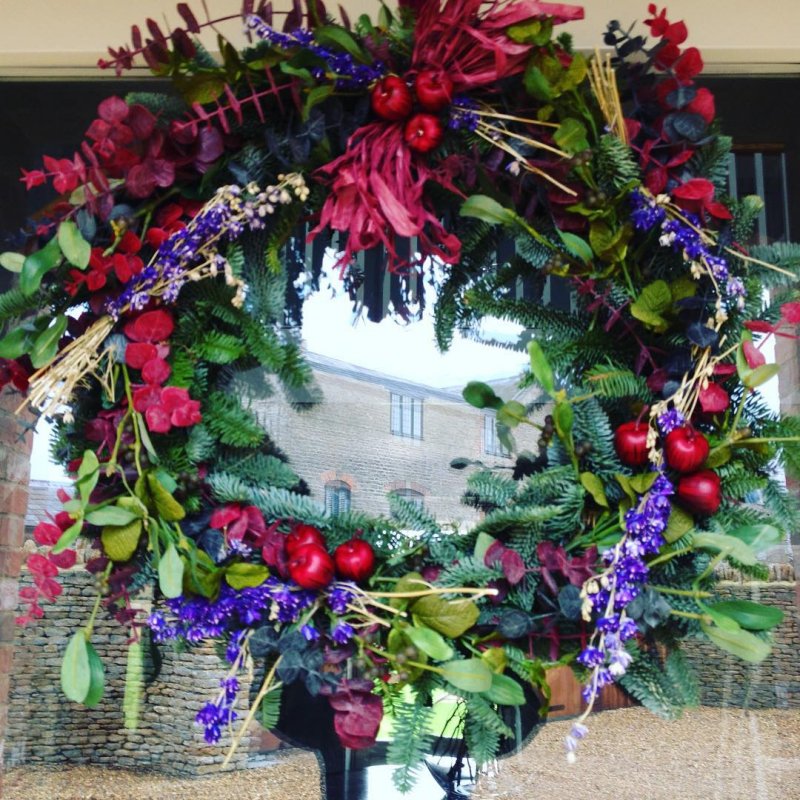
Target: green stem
{"type": "Point", "coordinates": [137, 448]}
{"type": "Point", "coordinates": [668, 556]}
{"type": "Point", "coordinates": [680, 592]}
{"type": "Point", "coordinates": [416, 664]}
{"type": "Point", "coordinates": [689, 615]}
{"type": "Point", "coordinates": [766, 439]}
{"type": "Point", "coordinates": [90, 624]}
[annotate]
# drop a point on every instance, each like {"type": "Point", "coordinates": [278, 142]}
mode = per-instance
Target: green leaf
{"type": "Point", "coordinates": [68, 537]}
{"type": "Point", "coordinates": [536, 84]}
{"type": "Point", "coordinates": [74, 247]}
{"type": "Point", "coordinates": [202, 87]}
{"type": "Point", "coordinates": [679, 524]}
{"type": "Point", "coordinates": [758, 537]}
{"type": "Point", "coordinates": [653, 301]}
{"type": "Point", "coordinates": [16, 342]}
{"type": "Point", "coordinates": [570, 136]}
{"type": "Point", "coordinates": [132, 697]}
{"type": "Point", "coordinates": [610, 244]}
{"type": "Point", "coordinates": [540, 367]}
{"type": "Point", "coordinates": [525, 32]}
{"type": "Point", "coordinates": [317, 95]}
{"type": "Point", "coordinates": [110, 515]}
{"type": "Point", "coordinates": [88, 475]}
{"type": "Point", "coordinates": [341, 38]}
{"type": "Point", "coordinates": [511, 414]}
{"type": "Point", "coordinates": [470, 675]}
{"type": "Point", "coordinates": [594, 486]}
{"type": "Point", "coordinates": [760, 375]}
{"type": "Point", "coordinates": [563, 416]}
{"type": "Point", "coordinates": [12, 261]}
{"type": "Point", "coordinates": [120, 542]}
{"type": "Point", "coordinates": [505, 691]}
{"type": "Point", "coordinates": [750, 615]}
{"type": "Point", "coordinates": [575, 73]}
{"type": "Point", "coordinates": [96, 678]}
{"type": "Point", "coordinates": [729, 545]}
{"type": "Point", "coordinates": [45, 346]}
{"type": "Point", "coordinates": [37, 265]}
{"type": "Point", "coordinates": [481, 395]}
{"type": "Point", "coordinates": [718, 456]}
{"type": "Point", "coordinates": [576, 246]}
{"type": "Point", "coordinates": [170, 572]}
{"type": "Point", "coordinates": [410, 582]}
{"type": "Point", "coordinates": [242, 574]}
{"type": "Point", "coordinates": [642, 483]}
{"type": "Point", "coordinates": [168, 508]}
{"type": "Point", "coordinates": [743, 644]}
{"type": "Point", "coordinates": [450, 617]}
{"type": "Point", "coordinates": [482, 543]}
{"type": "Point", "coordinates": [76, 676]}
{"type": "Point", "coordinates": [429, 642]}
{"type": "Point", "coordinates": [625, 483]}
{"type": "Point", "coordinates": [481, 206]}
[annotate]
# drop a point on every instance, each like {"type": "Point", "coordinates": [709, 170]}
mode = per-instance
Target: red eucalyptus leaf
{"type": "Point", "coordinates": [65, 559]}
{"type": "Point", "coordinates": [513, 566]}
{"type": "Point", "coordinates": [714, 399]}
{"type": "Point", "coordinates": [46, 534]}
{"type": "Point", "coordinates": [188, 17]}
{"type": "Point", "coordinates": [50, 588]}
{"type": "Point", "coordinates": [41, 567]}
{"type": "Point", "coordinates": [754, 357]}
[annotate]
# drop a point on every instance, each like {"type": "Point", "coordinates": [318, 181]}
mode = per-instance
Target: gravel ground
{"type": "Point", "coordinates": [708, 754]}
{"type": "Point", "coordinates": [630, 754]}
{"type": "Point", "coordinates": [290, 775]}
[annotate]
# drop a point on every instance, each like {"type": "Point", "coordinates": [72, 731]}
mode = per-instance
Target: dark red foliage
{"type": "Point", "coordinates": [357, 713]}
{"type": "Point", "coordinates": [555, 562]}
{"type": "Point", "coordinates": [240, 523]}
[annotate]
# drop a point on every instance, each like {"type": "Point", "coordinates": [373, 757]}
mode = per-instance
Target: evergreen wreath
{"type": "Point", "coordinates": [161, 275]}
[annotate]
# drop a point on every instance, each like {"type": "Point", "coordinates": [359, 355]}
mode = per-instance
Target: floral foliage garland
{"type": "Point", "coordinates": [158, 281]}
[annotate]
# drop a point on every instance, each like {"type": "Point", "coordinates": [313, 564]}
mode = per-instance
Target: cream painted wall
{"type": "Point", "coordinates": [66, 37]}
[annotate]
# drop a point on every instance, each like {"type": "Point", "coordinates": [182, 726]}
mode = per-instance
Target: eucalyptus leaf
{"type": "Point", "coordinates": [110, 515]}
{"type": "Point", "coordinates": [170, 573]}
{"type": "Point", "coordinates": [540, 367]}
{"type": "Point", "coordinates": [594, 486]}
{"type": "Point", "coordinates": [741, 643]}
{"type": "Point", "coordinates": [45, 345]}
{"type": "Point", "coordinates": [242, 575]}
{"type": "Point", "coordinates": [76, 676]}
{"type": "Point", "coordinates": [96, 678]}
{"type": "Point", "coordinates": [505, 691]}
{"type": "Point", "coordinates": [37, 265]}
{"type": "Point", "coordinates": [481, 206]}
{"type": "Point", "coordinates": [680, 522]}
{"type": "Point", "coordinates": [577, 246]}
{"type": "Point", "coordinates": [68, 537]}
{"type": "Point", "coordinates": [750, 615]}
{"type": "Point", "coordinates": [450, 617]}
{"type": "Point", "coordinates": [469, 674]}
{"type": "Point", "coordinates": [74, 247]}
{"type": "Point", "coordinates": [12, 261]}
{"type": "Point", "coordinates": [429, 642]}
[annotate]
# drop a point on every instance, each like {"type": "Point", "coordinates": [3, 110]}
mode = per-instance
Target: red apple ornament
{"type": "Point", "coordinates": [686, 449]}
{"type": "Point", "coordinates": [302, 535]}
{"type": "Point", "coordinates": [311, 567]}
{"type": "Point", "coordinates": [700, 492]}
{"type": "Point", "coordinates": [391, 98]}
{"type": "Point", "coordinates": [423, 132]}
{"type": "Point", "coordinates": [355, 560]}
{"type": "Point", "coordinates": [630, 442]}
{"type": "Point", "coordinates": [434, 89]}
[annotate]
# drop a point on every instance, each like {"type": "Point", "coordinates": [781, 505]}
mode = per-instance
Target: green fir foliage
{"type": "Point", "coordinates": [411, 742]}
{"type": "Point", "coordinates": [615, 164]}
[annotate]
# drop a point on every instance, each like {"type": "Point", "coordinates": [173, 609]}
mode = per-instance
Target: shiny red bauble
{"type": "Point", "coordinates": [434, 89]}
{"type": "Point", "coordinates": [630, 442]}
{"type": "Point", "coordinates": [391, 99]}
{"type": "Point", "coordinates": [355, 560]}
{"type": "Point", "coordinates": [699, 492]}
{"type": "Point", "coordinates": [311, 567]}
{"type": "Point", "coordinates": [423, 132]}
{"type": "Point", "coordinates": [686, 449]}
{"type": "Point", "coordinates": [302, 535]}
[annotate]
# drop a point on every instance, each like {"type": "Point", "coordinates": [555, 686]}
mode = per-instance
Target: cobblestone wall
{"type": "Point", "coordinates": [775, 682]}
{"type": "Point", "coordinates": [45, 727]}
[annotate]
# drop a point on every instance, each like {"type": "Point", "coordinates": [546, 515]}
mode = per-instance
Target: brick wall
{"type": "Point", "coordinates": [15, 447]}
{"type": "Point", "coordinates": [45, 727]}
{"type": "Point", "coordinates": [774, 683]}
{"type": "Point", "coordinates": [347, 437]}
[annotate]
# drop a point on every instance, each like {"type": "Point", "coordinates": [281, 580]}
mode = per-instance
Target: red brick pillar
{"type": "Point", "coordinates": [15, 449]}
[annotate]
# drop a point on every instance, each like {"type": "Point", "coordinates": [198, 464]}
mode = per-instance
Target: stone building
{"type": "Point", "coordinates": [374, 434]}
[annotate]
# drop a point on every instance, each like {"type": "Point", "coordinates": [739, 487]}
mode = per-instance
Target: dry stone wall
{"type": "Point", "coordinates": [44, 727]}
{"type": "Point", "coordinates": [774, 683]}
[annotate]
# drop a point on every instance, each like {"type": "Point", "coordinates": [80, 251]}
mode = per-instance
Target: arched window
{"type": "Point", "coordinates": [411, 496]}
{"type": "Point", "coordinates": [337, 497]}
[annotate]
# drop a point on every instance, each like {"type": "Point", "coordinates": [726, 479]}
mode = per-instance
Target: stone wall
{"type": "Point", "coordinates": [15, 446]}
{"type": "Point", "coordinates": [774, 683]}
{"type": "Point", "coordinates": [45, 727]}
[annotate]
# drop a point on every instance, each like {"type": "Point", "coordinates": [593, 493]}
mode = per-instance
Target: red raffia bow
{"type": "Point", "coordinates": [377, 187]}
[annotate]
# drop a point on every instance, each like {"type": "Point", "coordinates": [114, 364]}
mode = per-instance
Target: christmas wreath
{"type": "Point", "coordinates": [443, 134]}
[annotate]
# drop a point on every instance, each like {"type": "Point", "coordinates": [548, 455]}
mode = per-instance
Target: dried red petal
{"type": "Point", "coordinates": [713, 399]}
{"type": "Point", "coordinates": [137, 354]}
{"type": "Point", "coordinates": [158, 420]}
{"type": "Point", "coordinates": [755, 358]}
{"type": "Point", "coordinates": [156, 371]}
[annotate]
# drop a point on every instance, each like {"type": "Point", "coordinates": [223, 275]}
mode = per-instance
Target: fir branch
{"type": "Point", "coordinates": [506, 521]}
{"type": "Point", "coordinates": [483, 729]}
{"type": "Point", "coordinates": [411, 517]}
{"type": "Point", "coordinates": [230, 423]}
{"type": "Point", "coordinates": [615, 165]}
{"type": "Point", "coordinates": [411, 742]}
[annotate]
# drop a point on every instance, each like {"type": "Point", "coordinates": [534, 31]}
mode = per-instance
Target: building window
{"type": "Point", "coordinates": [411, 496]}
{"type": "Point", "coordinates": [337, 498]}
{"type": "Point", "coordinates": [406, 416]}
{"type": "Point", "coordinates": [491, 442]}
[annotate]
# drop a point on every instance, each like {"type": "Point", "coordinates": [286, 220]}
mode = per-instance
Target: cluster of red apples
{"type": "Point", "coordinates": [685, 450]}
{"type": "Point", "coordinates": [393, 100]}
{"type": "Point", "coordinates": [312, 566]}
